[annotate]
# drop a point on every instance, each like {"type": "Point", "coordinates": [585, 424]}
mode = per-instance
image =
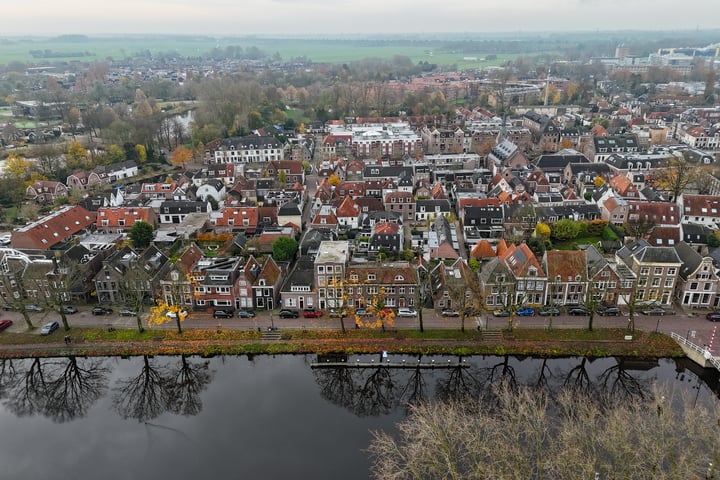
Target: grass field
{"type": "Point", "coordinates": [17, 49]}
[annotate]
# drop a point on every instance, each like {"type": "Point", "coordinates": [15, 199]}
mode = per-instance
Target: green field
{"type": "Point", "coordinates": [322, 51]}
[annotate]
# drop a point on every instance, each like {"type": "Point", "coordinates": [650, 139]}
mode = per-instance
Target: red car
{"type": "Point", "coordinates": [312, 313]}
{"type": "Point", "coordinates": [5, 324]}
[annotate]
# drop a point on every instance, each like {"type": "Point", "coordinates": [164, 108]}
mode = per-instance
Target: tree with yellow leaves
{"type": "Point", "coordinates": [177, 295]}
{"type": "Point", "coordinates": [180, 156]}
{"type": "Point", "coordinates": [334, 180]}
{"type": "Point", "coordinates": [18, 167]}
{"type": "Point", "coordinates": [377, 308]}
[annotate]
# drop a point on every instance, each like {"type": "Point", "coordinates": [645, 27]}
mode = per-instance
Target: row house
{"type": "Point", "coordinates": [102, 174]}
{"type": "Point", "coordinates": [604, 146]}
{"type": "Point", "coordinates": [567, 276]}
{"type": "Point", "coordinates": [52, 229]}
{"type": "Point", "coordinates": [696, 136]}
{"type": "Point", "coordinates": [159, 190]}
{"type": "Point", "coordinates": [351, 189]}
{"type": "Point", "coordinates": [175, 211]}
{"type": "Point", "coordinates": [121, 219]}
{"type": "Point", "coordinates": [698, 283]}
{"type": "Point", "coordinates": [225, 172]}
{"type": "Point", "coordinates": [214, 282]}
{"type": "Point", "coordinates": [45, 191]}
{"type": "Point", "coordinates": [249, 149]}
{"type": "Point", "coordinates": [246, 277]}
{"type": "Point", "coordinates": [113, 284]}
{"type": "Point", "coordinates": [397, 281]}
{"type": "Point", "coordinates": [294, 172]}
{"type": "Point", "coordinates": [235, 219]}
{"type": "Point", "coordinates": [329, 273]}
{"type": "Point", "coordinates": [513, 277]}
{"type": "Point", "coordinates": [440, 141]}
{"type": "Point", "coordinates": [656, 269]}
{"type": "Point", "coordinates": [176, 287]}
{"type": "Point", "coordinates": [610, 282]}
{"type": "Point", "coordinates": [298, 290]}
{"type": "Point", "coordinates": [625, 187]}
{"type": "Point", "coordinates": [348, 214]}
{"type": "Point", "coordinates": [386, 238]}
{"type": "Point", "coordinates": [657, 213]}
{"type": "Point", "coordinates": [483, 222]}
{"type": "Point", "coordinates": [402, 203]}
{"type": "Point", "coordinates": [266, 288]}
{"type": "Point", "coordinates": [431, 209]}
{"type": "Point", "coordinates": [700, 210]}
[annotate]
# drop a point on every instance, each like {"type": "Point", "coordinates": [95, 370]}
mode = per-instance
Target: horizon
{"type": "Point", "coordinates": [286, 18]}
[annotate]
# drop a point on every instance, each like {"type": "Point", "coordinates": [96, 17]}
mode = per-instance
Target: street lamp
{"type": "Point", "coordinates": [657, 325]}
{"type": "Point", "coordinates": [272, 324]}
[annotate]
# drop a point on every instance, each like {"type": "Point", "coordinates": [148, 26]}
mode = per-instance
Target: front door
{"type": "Point", "coordinates": [301, 302]}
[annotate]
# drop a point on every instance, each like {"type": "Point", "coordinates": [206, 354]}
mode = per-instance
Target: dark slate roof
{"type": "Point", "coordinates": [431, 204]}
{"type": "Point", "coordinates": [379, 171]}
{"type": "Point", "coordinates": [611, 142]}
{"type": "Point", "coordinates": [694, 233]}
{"type": "Point", "coordinates": [312, 238]}
{"type": "Point", "coordinates": [182, 206]}
{"type": "Point", "coordinates": [302, 274]}
{"type": "Point", "coordinates": [645, 253]}
{"type": "Point", "coordinates": [382, 216]}
{"type": "Point", "coordinates": [586, 211]}
{"type": "Point", "coordinates": [290, 208]}
{"type": "Point", "coordinates": [558, 161]}
{"type": "Point", "coordinates": [690, 258]}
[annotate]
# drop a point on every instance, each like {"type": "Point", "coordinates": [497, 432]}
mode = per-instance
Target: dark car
{"type": "Point", "coordinates": [547, 311]}
{"type": "Point", "coordinates": [289, 313]}
{"type": "Point", "coordinates": [49, 328]}
{"type": "Point", "coordinates": [578, 311]}
{"type": "Point", "coordinates": [8, 308]}
{"type": "Point", "coordinates": [526, 312]}
{"type": "Point", "coordinates": [608, 311]}
{"type": "Point", "coordinates": [361, 312]}
{"type": "Point", "coordinates": [102, 311]}
{"type": "Point", "coordinates": [220, 313]}
{"type": "Point", "coordinates": [312, 313]}
{"type": "Point", "coordinates": [69, 309]}
{"type": "Point", "coordinates": [5, 324]}
{"type": "Point", "coordinates": [246, 314]}
{"type": "Point", "coordinates": [656, 311]}
{"type": "Point", "coordinates": [713, 316]}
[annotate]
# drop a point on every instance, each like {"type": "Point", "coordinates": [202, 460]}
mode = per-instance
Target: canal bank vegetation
{"type": "Point", "coordinates": [219, 341]}
{"type": "Point", "coordinates": [573, 434]}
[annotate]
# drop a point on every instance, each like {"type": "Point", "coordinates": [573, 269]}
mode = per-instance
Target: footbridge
{"type": "Point", "coordinates": [700, 355]}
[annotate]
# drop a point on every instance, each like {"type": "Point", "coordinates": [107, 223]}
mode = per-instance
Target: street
{"type": "Point", "coordinates": [693, 326]}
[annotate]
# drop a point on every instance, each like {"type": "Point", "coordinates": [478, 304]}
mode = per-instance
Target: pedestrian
{"type": "Point", "coordinates": [67, 340]}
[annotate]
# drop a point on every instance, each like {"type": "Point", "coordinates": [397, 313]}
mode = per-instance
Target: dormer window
{"type": "Point", "coordinates": [532, 272]}
{"type": "Point", "coordinates": [399, 278]}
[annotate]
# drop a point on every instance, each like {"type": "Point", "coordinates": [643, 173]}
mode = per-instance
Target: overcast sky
{"type": "Point", "coordinates": [242, 17]}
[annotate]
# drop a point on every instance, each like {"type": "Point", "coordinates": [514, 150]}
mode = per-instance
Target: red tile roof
{"type": "Point", "coordinates": [52, 229]}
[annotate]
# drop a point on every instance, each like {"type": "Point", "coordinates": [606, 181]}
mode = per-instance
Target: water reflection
{"type": "Point", "coordinates": [61, 389]}
{"type": "Point", "coordinates": [160, 388]}
{"type": "Point", "coordinates": [377, 388]}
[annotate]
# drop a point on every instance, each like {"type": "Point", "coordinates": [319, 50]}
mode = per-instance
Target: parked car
{"type": "Point", "coordinates": [102, 311]}
{"type": "Point", "coordinates": [220, 313]}
{"type": "Point", "coordinates": [289, 313]}
{"type": "Point", "coordinates": [5, 324]}
{"type": "Point", "coordinates": [34, 308]}
{"type": "Point", "coordinates": [659, 311]}
{"type": "Point", "coordinates": [8, 307]}
{"type": "Point", "coordinates": [245, 314]}
{"type": "Point", "coordinates": [608, 311]}
{"type": "Point", "coordinates": [450, 313]}
{"type": "Point", "coordinates": [547, 311]}
{"type": "Point", "coordinates": [713, 316]}
{"type": "Point", "coordinates": [501, 313]}
{"type": "Point", "coordinates": [69, 309]}
{"type": "Point", "coordinates": [361, 312]}
{"type": "Point", "coordinates": [406, 312]}
{"type": "Point", "coordinates": [336, 313]}
{"type": "Point", "coordinates": [312, 313]}
{"type": "Point", "coordinates": [526, 312]}
{"type": "Point", "coordinates": [49, 328]}
{"type": "Point", "coordinates": [127, 313]}
{"type": "Point", "coordinates": [172, 314]}
{"type": "Point", "coordinates": [578, 311]}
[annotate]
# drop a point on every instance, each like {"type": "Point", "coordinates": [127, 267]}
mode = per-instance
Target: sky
{"type": "Point", "coordinates": [325, 17]}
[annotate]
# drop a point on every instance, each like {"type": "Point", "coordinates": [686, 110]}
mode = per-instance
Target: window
{"type": "Point", "coordinates": [671, 270]}
{"type": "Point", "coordinates": [658, 270]}
{"type": "Point", "coordinates": [644, 271]}
{"type": "Point", "coordinates": [371, 276]}
{"type": "Point", "coordinates": [399, 278]}
{"type": "Point", "coordinates": [605, 273]}
{"type": "Point", "coordinates": [669, 282]}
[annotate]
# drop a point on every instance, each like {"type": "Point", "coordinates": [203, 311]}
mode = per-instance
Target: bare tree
{"type": "Point", "coordinates": [566, 436]}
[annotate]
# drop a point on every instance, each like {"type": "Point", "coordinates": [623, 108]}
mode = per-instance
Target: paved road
{"type": "Point", "coordinates": [682, 323]}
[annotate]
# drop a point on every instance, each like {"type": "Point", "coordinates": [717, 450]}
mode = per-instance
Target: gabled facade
{"type": "Point", "coordinates": [656, 268]}
{"type": "Point", "coordinates": [567, 276]}
{"type": "Point", "coordinates": [214, 282]}
{"type": "Point", "coordinates": [398, 281]}
{"type": "Point", "coordinates": [698, 283]}
{"type": "Point", "coordinates": [298, 290]}
{"type": "Point", "coordinates": [45, 191]}
{"type": "Point", "coordinates": [612, 281]}
{"type": "Point", "coordinates": [266, 288]}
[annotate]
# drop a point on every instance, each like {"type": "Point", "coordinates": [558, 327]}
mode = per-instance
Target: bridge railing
{"type": "Point", "coordinates": [715, 361]}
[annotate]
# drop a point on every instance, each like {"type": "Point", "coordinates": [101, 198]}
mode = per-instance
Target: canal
{"type": "Point", "coordinates": [270, 417]}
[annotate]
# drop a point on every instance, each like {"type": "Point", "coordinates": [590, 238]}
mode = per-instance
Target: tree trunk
{"type": "Point", "coordinates": [139, 323]}
{"type": "Point", "coordinates": [27, 321]}
{"type": "Point", "coordinates": [177, 320]}
{"type": "Point", "coordinates": [420, 320]}
{"type": "Point", "coordinates": [63, 317]}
